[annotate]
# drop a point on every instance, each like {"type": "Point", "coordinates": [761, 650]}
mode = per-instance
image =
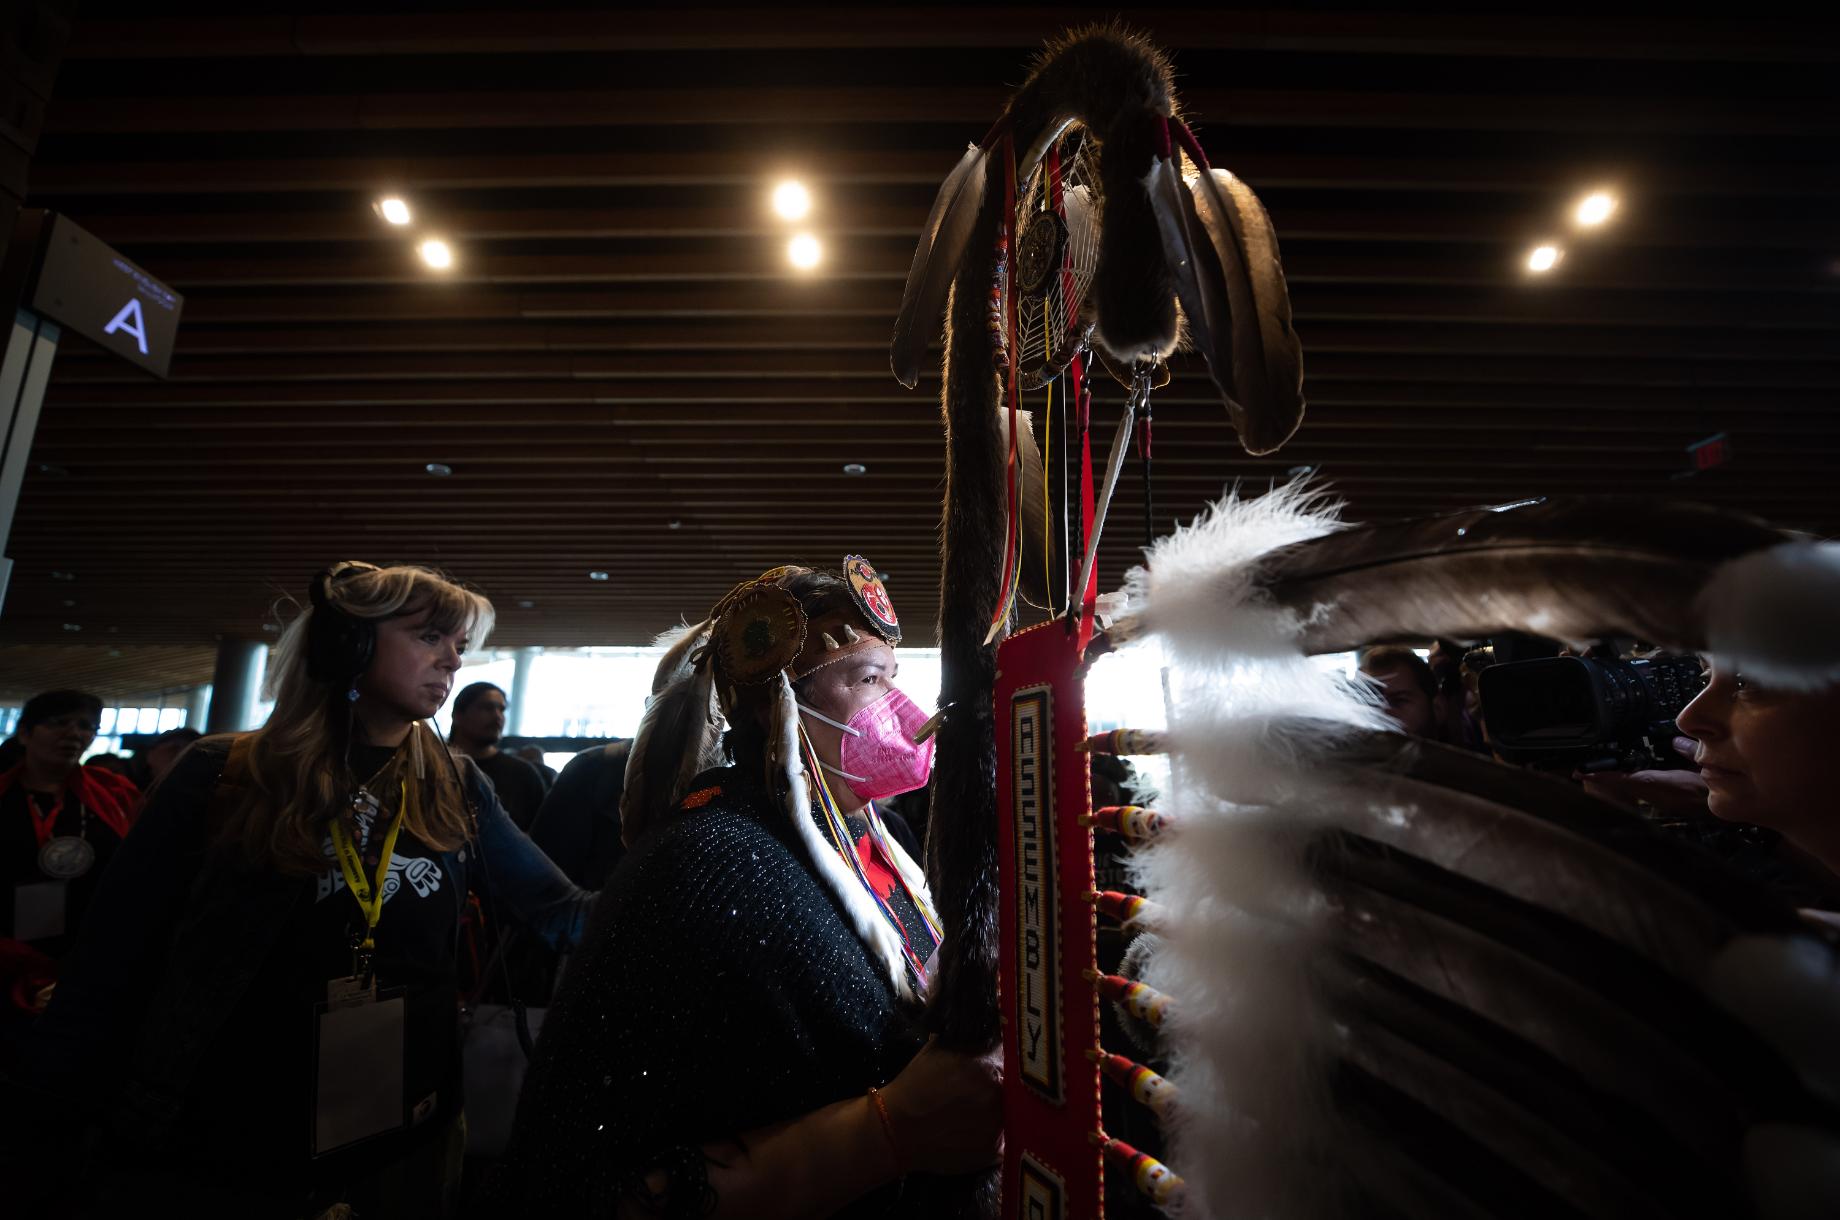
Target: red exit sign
{"type": "Point", "coordinates": [1713, 452]}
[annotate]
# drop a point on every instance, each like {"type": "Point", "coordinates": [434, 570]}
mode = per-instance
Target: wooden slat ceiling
{"type": "Point", "coordinates": [625, 376]}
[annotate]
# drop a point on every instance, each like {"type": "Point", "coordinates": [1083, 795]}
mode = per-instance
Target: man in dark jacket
{"type": "Point", "coordinates": [479, 724]}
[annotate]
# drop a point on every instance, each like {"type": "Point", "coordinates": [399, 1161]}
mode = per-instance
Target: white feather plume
{"type": "Point", "coordinates": [1245, 1036]}
{"type": "Point", "coordinates": [783, 756]}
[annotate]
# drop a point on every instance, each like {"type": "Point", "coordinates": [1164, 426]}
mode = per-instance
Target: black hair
{"type": "Point", "coordinates": [52, 703]}
{"type": "Point", "coordinates": [468, 694]}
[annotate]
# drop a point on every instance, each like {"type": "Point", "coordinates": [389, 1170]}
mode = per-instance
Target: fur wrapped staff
{"type": "Point", "coordinates": [1180, 256]}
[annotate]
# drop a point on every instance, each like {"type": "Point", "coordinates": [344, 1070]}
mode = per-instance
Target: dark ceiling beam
{"type": "Point", "coordinates": [861, 392]}
{"type": "Point", "coordinates": [72, 442]}
{"type": "Point", "coordinates": [870, 27]}
{"type": "Point", "coordinates": [708, 102]}
{"type": "Point", "coordinates": [404, 532]}
{"type": "Point", "coordinates": [1606, 266]}
{"type": "Point", "coordinates": [871, 366]}
{"type": "Point", "coordinates": [429, 301]}
{"type": "Point", "coordinates": [828, 165]}
{"type": "Point", "coordinates": [204, 344]}
{"type": "Point", "coordinates": [1483, 222]}
{"type": "Point", "coordinates": [329, 509]}
{"type": "Point", "coordinates": [620, 456]}
{"type": "Point", "coordinates": [822, 300]}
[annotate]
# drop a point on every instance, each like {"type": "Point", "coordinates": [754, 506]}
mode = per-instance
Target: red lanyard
{"type": "Point", "coordinates": [44, 824]}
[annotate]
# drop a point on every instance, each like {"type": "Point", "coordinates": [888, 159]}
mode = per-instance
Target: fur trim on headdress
{"type": "Point", "coordinates": [1775, 615]}
{"type": "Point", "coordinates": [785, 762]}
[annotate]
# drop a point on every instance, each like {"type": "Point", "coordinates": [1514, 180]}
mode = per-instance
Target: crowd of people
{"type": "Point", "coordinates": [238, 967]}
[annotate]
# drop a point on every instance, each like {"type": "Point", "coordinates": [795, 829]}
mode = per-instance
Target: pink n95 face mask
{"type": "Point", "coordinates": [880, 757]}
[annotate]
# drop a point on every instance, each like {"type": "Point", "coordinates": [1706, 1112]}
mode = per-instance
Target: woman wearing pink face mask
{"type": "Point", "coordinates": [738, 1035]}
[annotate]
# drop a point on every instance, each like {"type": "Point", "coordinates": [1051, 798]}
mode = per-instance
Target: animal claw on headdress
{"type": "Point", "coordinates": [830, 641]}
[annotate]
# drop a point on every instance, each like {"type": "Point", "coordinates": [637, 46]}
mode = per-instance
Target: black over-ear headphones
{"type": "Point", "coordinates": [339, 645]}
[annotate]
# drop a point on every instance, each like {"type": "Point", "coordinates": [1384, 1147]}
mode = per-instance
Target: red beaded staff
{"type": "Point", "coordinates": [1046, 930]}
{"type": "Point", "coordinates": [1055, 1145]}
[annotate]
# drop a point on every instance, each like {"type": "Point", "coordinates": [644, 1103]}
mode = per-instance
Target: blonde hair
{"type": "Point", "coordinates": [297, 778]}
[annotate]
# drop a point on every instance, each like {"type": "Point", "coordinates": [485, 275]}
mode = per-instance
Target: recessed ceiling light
{"type": "Point", "coordinates": [436, 253]}
{"type": "Point", "coordinates": [63, 576]}
{"type": "Point", "coordinates": [791, 201]}
{"type": "Point", "coordinates": [1594, 208]}
{"type": "Point", "coordinates": [394, 210]}
{"type": "Point", "coordinates": [527, 604]}
{"type": "Point", "coordinates": [53, 472]}
{"type": "Point", "coordinates": [674, 525]}
{"type": "Point", "coordinates": [439, 469]}
{"type": "Point", "coordinates": [855, 468]}
{"type": "Point", "coordinates": [73, 626]}
{"type": "Point", "coordinates": [804, 252]}
{"type": "Point", "coordinates": [69, 602]}
{"type": "Point", "coordinates": [271, 628]}
{"type": "Point", "coordinates": [598, 575]}
{"type": "Point", "coordinates": [1544, 258]}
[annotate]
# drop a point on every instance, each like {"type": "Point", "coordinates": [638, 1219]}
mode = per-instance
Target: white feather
{"type": "Point", "coordinates": [1774, 615]}
{"type": "Point", "coordinates": [1245, 1035]}
{"type": "Point", "coordinates": [864, 917]}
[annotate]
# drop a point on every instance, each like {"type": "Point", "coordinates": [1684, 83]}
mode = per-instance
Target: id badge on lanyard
{"type": "Point", "coordinates": [358, 1059]}
{"type": "Point", "coordinates": [358, 1063]}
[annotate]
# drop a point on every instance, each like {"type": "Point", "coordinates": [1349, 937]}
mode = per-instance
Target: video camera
{"type": "Point", "coordinates": [1596, 713]}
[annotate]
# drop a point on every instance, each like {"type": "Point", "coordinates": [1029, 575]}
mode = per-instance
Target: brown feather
{"type": "Point", "coordinates": [936, 261]}
{"type": "Point", "coordinates": [1575, 569]}
{"type": "Point", "coordinates": [1264, 389]}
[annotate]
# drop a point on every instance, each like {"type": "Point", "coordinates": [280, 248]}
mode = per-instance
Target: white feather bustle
{"type": "Point", "coordinates": [1246, 1038]}
{"type": "Point", "coordinates": [1775, 615]}
{"type": "Point", "coordinates": [785, 760]}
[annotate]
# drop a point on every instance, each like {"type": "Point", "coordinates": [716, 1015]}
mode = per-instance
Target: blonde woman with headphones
{"type": "Point", "coordinates": [262, 1014]}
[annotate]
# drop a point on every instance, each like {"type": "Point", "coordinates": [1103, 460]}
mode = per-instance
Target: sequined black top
{"type": "Point", "coordinates": [719, 989]}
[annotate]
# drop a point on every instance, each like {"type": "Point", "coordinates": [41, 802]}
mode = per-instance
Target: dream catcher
{"type": "Point", "coordinates": [1089, 220]}
{"type": "Point", "coordinates": [1058, 215]}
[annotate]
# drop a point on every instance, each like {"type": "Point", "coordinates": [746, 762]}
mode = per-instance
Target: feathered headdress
{"type": "Point", "coordinates": [755, 641]}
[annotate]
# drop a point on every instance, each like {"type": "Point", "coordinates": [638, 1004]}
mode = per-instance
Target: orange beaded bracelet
{"type": "Point", "coordinates": [881, 1110]}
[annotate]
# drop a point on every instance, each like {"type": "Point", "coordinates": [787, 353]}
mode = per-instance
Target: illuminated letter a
{"type": "Point", "coordinates": [129, 319]}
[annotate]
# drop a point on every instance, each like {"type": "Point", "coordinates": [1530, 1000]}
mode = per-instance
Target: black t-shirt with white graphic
{"type": "Point", "coordinates": [266, 1110]}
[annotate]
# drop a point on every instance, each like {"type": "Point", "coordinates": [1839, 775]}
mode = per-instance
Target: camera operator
{"type": "Point", "coordinates": [1679, 793]}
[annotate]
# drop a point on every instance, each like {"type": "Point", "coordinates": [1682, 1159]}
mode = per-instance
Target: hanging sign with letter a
{"type": "Point", "coordinates": [84, 285]}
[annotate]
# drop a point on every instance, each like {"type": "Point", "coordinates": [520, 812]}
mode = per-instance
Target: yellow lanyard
{"type": "Point", "coordinates": [369, 894]}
